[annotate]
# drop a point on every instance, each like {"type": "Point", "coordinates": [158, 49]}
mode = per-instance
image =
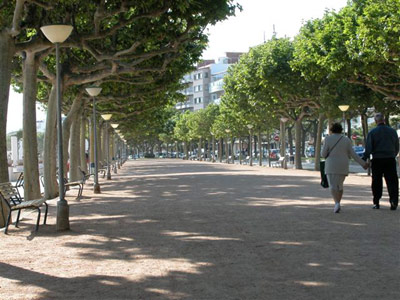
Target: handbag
{"type": "Point", "coordinates": [324, 178]}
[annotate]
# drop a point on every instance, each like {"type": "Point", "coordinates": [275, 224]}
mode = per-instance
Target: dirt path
{"type": "Point", "coordinates": [171, 229]}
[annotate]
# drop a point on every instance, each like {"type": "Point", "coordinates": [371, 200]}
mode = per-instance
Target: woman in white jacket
{"type": "Point", "coordinates": [338, 150]}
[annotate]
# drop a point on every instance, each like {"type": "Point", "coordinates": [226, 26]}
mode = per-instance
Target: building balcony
{"type": "Point", "coordinates": [187, 79]}
{"type": "Point", "coordinates": [183, 106]}
{"type": "Point", "coordinates": [216, 86]}
{"type": "Point", "coordinates": [187, 92]}
{"type": "Point", "coordinates": [217, 101]}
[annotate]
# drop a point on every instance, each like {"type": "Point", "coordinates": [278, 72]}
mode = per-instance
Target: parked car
{"type": "Point", "coordinates": [359, 150]}
{"type": "Point", "coordinates": [275, 154]}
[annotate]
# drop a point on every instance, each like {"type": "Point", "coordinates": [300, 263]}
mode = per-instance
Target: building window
{"type": "Point", "coordinates": [198, 100]}
{"type": "Point", "coordinates": [198, 88]}
{"type": "Point", "coordinates": [206, 74]}
{"type": "Point", "coordinates": [198, 76]}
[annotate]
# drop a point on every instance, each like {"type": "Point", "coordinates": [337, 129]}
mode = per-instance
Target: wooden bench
{"type": "Point", "coordinates": [279, 163]}
{"type": "Point", "coordinates": [78, 183]}
{"type": "Point", "coordinates": [20, 183]}
{"type": "Point", "coordinates": [102, 169]}
{"type": "Point", "coordinates": [10, 196]}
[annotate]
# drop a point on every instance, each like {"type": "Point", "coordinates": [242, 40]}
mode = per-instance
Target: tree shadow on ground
{"type": "Point", "coordinates": [205, 232]}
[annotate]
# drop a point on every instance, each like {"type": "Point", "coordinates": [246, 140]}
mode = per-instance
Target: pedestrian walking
{"type": "Point", "coordinates": [383, 145]}
{"type": "Point", "coordinates": [338, 150]}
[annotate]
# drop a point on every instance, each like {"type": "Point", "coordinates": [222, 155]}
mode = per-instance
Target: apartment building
{"type": "Point", "coordinates": [205, 85]}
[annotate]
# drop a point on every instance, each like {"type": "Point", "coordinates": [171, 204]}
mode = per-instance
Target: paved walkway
{"type": "Point", "coordinates": [173, 229]}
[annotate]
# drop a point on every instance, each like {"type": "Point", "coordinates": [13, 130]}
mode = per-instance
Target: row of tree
{"type": "Point", "coordinates": [348, 57]}
{"type": "Point", "coordinates": [136, 50]}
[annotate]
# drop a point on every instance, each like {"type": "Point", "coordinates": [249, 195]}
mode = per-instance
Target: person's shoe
{"type": "Point", "coordinates": [376, 206]}
{"type": "Point", "coordinates": [393, 206]}
{"type": "Point", "coordinates": [336, 209]}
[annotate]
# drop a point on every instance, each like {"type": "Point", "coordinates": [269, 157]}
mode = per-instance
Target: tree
{"type": "Point", "coordinates": [182, 132]}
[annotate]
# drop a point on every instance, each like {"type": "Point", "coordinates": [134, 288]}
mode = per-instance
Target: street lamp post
{"type": "Point", "coordinates": [283, 141]}
{"type": "Point", "coordinates": [57, 34]}
{"type": "Point", "coordinates": [94, 91]}
{"type": "Point", "coordinates": [344, 108]}
{"type": "Point", "coordinates": [106, 118]}
{"type": "Point", "coordinates": [250, 127]}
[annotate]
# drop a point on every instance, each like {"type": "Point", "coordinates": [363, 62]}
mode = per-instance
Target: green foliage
{"type": "Point", "coordinates": [181, 130]}
{"type": "Point", "coordinates": [359, 44]}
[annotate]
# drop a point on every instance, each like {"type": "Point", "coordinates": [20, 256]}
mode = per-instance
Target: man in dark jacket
{"type": "Point", "coordinates": [383, 144]}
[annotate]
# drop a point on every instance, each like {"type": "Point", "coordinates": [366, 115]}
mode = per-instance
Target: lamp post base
{"type": "Point", "coordinates": [96, 188]}
{"type": "Point", "coordinates": [62, 216]}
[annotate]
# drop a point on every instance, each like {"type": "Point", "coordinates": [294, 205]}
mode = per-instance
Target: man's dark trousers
{"type": "Point", "coordinates": [387, 168]}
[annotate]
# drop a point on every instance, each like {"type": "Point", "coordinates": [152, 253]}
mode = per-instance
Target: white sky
{"type": "Point", "coordinates": [237, 34]}
{"type": "Point", "coordinates": [247, 28]}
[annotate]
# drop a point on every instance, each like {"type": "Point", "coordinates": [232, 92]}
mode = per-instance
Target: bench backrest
{"type": "Point", "coordinates": [9, 193]}
{"type": "Point", "coordinates": [84, 175]}
{"type": "Point", "coordinates": [20, 180]}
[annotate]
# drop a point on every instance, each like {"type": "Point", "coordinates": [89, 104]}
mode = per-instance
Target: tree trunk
{"type": "Point", "coordinates": [208, 149]}
{"type": "Point", "coordinates": [66, 126]}
{"type": "Point", "coordinates": [298, 163]}
{"type": "Point", "coordinates": [290, 140]}
{"type": "Point", "coordinates": [6, 53]}
{"type": "Point", "coordinates": [282, 138]}
{"type": "Point", "coordinates": [233, 150]}
{"type": "Point", "coordinates": [260, 148]}
{"type": "Point", "coordinates": [30, 149]}
{"type": "Point", "coordinates": [111, 151]}
{"type": "Point", "coordinates": [220, 150]}
{"type": "Point", "coordinates": [50, 148]}
{"type": "Point", "coordinates": [349, 128]}
{"type": "Point", "coordinates": [91, 145]}
{"type": "Point", "coordinates": [315, 132]}
{"type": "Point", "coordinates": [74, 148]}
{"type": "Point", "coordinates": [83, 144]}
{"type": "Point", "coordinates": [318, 141]}
{"type": "Point", "coordinates": [98, 137]}
{"type": "Point", "coordinates": [303, 141]}
{"type": "Point", "coordinates": [226, 151]}
{"type": "Point", "coordinates": [103, 152]}
{"type": "Point", "coordinates": [240, 150]}
{"type": "Point", "coordinates": [185, 148]}
{"type": "Point", "coordinates": [364, 123]}
{"type": "Point", "coordinates": [387, 118]}
{"type": "Point", "coordinates": [199, 149]}
{"type": "Point", "coordinates": [269, 148]}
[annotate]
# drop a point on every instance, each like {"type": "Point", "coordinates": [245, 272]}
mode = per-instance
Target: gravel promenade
{"type": "Point", "coordinates": [173, 229]}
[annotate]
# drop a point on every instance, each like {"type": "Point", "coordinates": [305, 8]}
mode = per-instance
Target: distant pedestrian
{"type": "Point", "coordinates": [383, 144]}
{"type": "Point", "coordinates": [338, 150]}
